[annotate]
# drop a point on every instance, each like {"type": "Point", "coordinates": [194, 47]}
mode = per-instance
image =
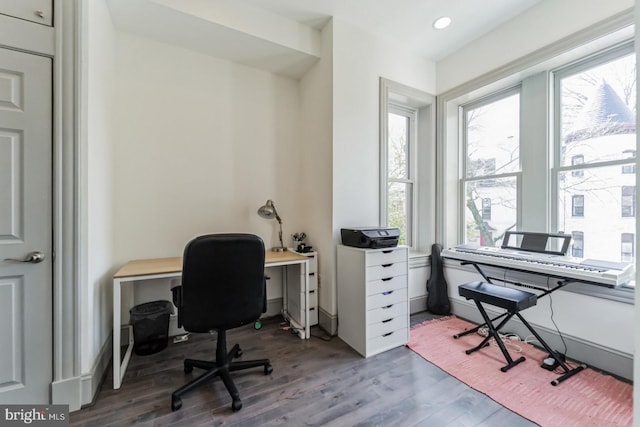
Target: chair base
{"type": "Point", "coordinates": [221, 367]}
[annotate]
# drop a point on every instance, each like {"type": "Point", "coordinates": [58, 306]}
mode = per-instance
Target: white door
{"type": "Point", "coordinates": [26, 351]}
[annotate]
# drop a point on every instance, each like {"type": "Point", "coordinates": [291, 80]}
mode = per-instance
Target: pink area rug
{"type": "Point", "coordinates": [589, 398]}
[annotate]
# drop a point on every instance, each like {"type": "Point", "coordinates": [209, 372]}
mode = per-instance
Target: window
{"type": "Point", "coordinates": [492, 167]}
{"type": "Point", "coordinates": [576, 148]}
{"type": "Point", "coordinates": [628, 201]}
{"type": "Point", "coordinates": [629, 168]}
{"type": "Point", "coordinates": [577, 160]}
{"type": "Point", "coordinates": [577, 205]}
{"type": "Point", "coordinates": [486, 209]}
{"type": "Point", "coordinates": [407, 164]}
{"type": "Point", "coordinates": [628, 251]}
{"type": "Point", "coordinates": [577, 247]}
{"type": "Point", "coordinates": [400, 174]}
{"type": "Point", "coordinates": [595, 119]}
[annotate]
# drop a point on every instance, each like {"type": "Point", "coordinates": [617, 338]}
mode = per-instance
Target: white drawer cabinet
{"type": "Point", "coordinates": [373, 298]}
{"type": "Point", "coordinates": [39, 11]}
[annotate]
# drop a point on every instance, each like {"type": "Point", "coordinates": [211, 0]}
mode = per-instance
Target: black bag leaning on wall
{"type": "Point", "coordinates": [437, 289]}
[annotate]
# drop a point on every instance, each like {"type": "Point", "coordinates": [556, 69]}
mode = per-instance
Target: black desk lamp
{"type": "Point", "coordinates": [269, 211]}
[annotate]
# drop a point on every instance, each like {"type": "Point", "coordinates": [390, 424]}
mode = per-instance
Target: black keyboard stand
{"type": "Point", "coordinates": [513, 301]}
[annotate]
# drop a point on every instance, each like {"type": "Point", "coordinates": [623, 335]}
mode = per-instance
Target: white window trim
{"type": "Point", "coordinates": [412, 164]}
{"type": "Point", "coordinates": [449, 121]}
{"type": "Point", "coordinates": [497, 96]}
{"type": "Point", "coordinates": [608, 32]}
{"type": "Point", "coordinates": [393, 94]}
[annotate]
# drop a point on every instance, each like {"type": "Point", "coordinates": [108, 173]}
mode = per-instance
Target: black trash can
{"type": "Point", "coordinates": [150, 323]}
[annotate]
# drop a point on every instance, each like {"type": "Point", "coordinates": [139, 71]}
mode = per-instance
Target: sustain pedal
{"type": "Point", "coordinates": [550, 363]}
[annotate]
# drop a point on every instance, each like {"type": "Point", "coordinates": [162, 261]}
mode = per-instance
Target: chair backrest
{"type": "Point", "coordinates": [223, 283]}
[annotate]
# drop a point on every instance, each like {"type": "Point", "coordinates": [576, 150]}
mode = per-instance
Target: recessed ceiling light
{"type": "Point", "coordinates": [442, 22]}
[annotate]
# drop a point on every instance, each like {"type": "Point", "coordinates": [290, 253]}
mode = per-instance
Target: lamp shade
{"type": "Point", "coordinates": [268, 211]}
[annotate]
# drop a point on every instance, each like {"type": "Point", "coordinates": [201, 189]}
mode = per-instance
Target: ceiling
{"type": "Point", "coordinates": [408, 22]}
{"type": "Point", "coordinates": [255, 32]}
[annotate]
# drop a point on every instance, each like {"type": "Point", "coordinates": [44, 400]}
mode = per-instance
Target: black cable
{"type": "Point", "coordinates": [554, 322]}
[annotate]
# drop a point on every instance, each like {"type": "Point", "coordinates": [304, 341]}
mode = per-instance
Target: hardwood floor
{"type": "Point", "coordinates": [315, 382]}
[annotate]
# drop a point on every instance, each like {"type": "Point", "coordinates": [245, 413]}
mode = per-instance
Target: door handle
{"type": "Point", "coordinates": [33, 257]}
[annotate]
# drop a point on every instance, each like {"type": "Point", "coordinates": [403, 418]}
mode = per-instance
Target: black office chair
{"type": "Point", "coordinates": [223, 287]}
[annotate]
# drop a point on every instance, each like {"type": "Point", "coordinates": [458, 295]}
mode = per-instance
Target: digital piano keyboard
{"type": "Point", "coordinates": [605, 273]}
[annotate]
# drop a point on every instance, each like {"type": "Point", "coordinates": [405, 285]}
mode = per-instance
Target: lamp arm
{"type": "Point", "coordinates": [276, 214]}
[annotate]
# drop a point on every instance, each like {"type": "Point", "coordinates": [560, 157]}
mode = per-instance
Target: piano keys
{"type": "Point", "coordinates": [603, 273]}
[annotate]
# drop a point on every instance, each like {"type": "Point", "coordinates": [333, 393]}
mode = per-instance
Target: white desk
{"type": "Point", "coordinates": [160, 268]}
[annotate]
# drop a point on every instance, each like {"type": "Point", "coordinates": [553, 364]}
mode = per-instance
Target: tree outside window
{"type": "Point", "coordinates": [492, 168]}
{"type": "Point", "coordinates": [400, 181]}
{"type": "Point", "coordinates": [597, 148]}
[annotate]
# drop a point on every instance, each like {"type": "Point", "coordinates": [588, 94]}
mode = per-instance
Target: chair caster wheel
{"type": "Point", "coordinates": [239, 352]}
{"type": "Point", "coordinates": [268, 369]}
{"type": "Point", "coordinates": [176, 403]}
{"type": "Point", "coordinates": [236, 405]}
{"type": "Point", "coordinates": [188, 369]}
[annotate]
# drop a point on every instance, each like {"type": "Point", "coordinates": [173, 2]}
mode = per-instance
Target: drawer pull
{"type": "Point", "coordinates": [311, 308]}
{"type": "Point", "coordinates": [312, 274]}
{"type": "Point", "coordinates": [387, 293]}
{"type": "Point", "coordinates": [387, 334]}
{"type": "Point", "coordinates": [312, 292]}
{"type": "Point", "coordinates": [386, 307]}
{"type": "Point", "coordinates": [386, 279]}
{"type": "Point", "coordinates": [387, 265]}
{"type": "Point", "coordinates": [388, 251]}
{"type": "Point", "coordinates": [387, 321]}
{"type": "Point", "coordinates": [311, 256]}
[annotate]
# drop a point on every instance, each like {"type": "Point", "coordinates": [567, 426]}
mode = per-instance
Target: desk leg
{"type": "Point", "coordinates": [119, 368]}
{"type": "Point", "coordinates": [116, 333]}
{"type": "Point", "coordinates": [300, 319]}
{"type": "Point", "coordinates": [304, 271]}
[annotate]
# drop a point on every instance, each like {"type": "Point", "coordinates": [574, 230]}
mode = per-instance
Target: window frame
{"type": "Point", "coordinates": [423, 210]}
{"type": "Point", "coordinates": [609, 33]}
{"type": "Point", "coordinates": [599, 57]}
{"type": "Point", "coordinates": [411, 115]}
{"type": "Point", "coordinates": [464, 178]}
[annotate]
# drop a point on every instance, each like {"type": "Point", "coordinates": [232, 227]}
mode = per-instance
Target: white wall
{"type": "Point", "coordinates": [315, 174]}
{"type": "Point", "coordinates": [95, 193]}
{"type": "Point", "coordinates": [543, 24]}
{"type": "Point", "coordinates": [200, 144]}
{"type": "Point", "coordinates": [359, 61]}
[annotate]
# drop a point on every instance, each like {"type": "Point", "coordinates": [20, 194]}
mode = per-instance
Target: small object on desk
{"type": "Point", "coordinates": [269, 211]}
{"type": "Point", "coordinates": [298, 241]}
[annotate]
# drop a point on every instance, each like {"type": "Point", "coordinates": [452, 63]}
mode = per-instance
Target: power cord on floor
{"type": "Point", "coordinates": [508, 339]}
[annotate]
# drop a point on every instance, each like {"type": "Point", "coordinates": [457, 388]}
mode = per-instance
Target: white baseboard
{"type": "Point", "coordinates": [418, 304]}
{"type": "Point", "coordinates": [67, 392]}
{"type": "Point", "coordinates": [328, 322]}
